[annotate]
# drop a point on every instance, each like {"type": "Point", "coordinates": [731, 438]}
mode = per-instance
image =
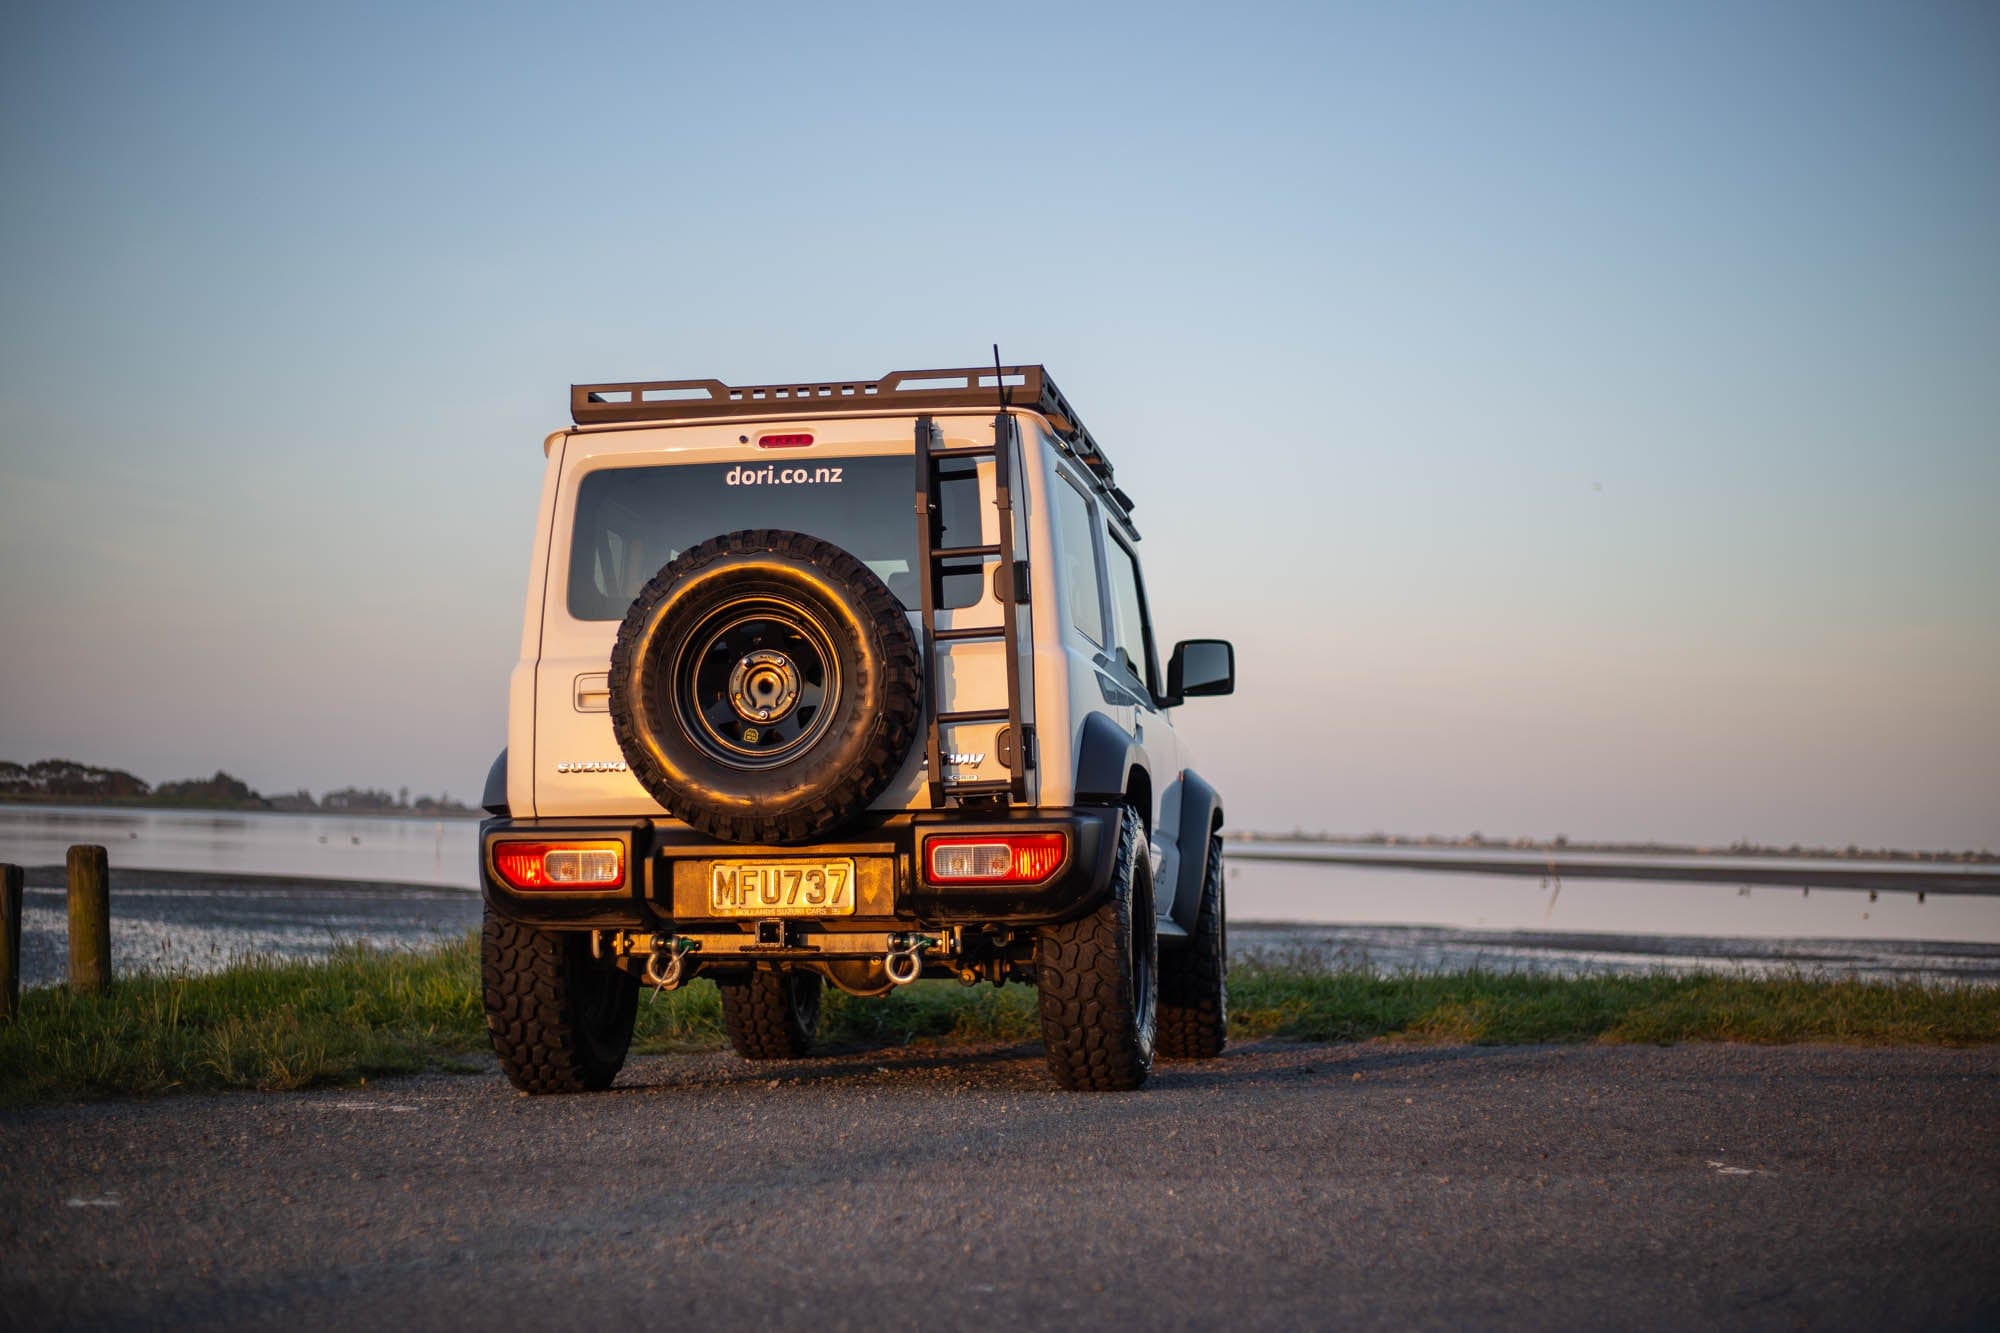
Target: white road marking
{"type": "Point", "coordinates": [1724, 1169]}
{"type": "Point", "coordinates": [103, 1201]}
{"type": "Point", "coordinates": [366, 1106]}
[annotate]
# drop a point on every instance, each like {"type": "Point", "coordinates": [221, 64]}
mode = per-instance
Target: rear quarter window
{"type": "Point", "coordinates": [1076, 535]}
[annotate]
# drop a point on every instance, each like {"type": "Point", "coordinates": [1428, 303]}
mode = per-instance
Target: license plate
{"type": "Point", "coordinates": [781, 888]}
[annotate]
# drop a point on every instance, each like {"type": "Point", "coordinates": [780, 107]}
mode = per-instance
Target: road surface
{"type": "Point", "coordinates": [1281, 1186]}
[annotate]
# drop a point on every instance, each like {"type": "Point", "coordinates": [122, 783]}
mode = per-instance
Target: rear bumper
{"type": "Point", "coordinates": [668, 872]}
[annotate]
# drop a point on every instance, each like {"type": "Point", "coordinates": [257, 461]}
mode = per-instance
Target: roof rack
{"type": "Point", "coordinates": [902, 390]}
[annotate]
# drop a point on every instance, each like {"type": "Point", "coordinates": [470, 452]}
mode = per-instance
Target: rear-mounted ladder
{"type": "Point", "coordinates": [1016, 744]}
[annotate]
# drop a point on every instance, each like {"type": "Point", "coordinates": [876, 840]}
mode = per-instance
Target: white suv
{"type": "Point", "coordinates": [849, 683]}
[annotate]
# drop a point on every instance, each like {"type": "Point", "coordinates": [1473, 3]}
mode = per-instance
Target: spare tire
{"type": "Point", "coordinates": [764, 687]}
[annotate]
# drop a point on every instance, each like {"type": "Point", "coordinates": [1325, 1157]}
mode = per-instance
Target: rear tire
{"type": "Point", "coordinates": [1096, 978]}
{"type": "Point", "coordinates": [770, 1014]}
{"type": "Point", "coordinates": [1194, 980]}
{"type": "Point", "coordinates": [560, 1020]}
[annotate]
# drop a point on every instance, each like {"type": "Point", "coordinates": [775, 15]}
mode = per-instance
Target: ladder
{"type": "Point", "coordinates": [1016, 745]}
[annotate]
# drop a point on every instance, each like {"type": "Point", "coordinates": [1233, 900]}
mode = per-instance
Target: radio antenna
{"type": "Point", "coordinates": [1000, 380]}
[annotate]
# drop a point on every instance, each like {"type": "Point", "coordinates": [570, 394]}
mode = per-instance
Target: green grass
{"type": "Point", "coordinates": [257, 1024]}
{"type": "Point", "coordinates": [363, 1014]}
{"type": "Point", "coordinates": [1492, 1008]}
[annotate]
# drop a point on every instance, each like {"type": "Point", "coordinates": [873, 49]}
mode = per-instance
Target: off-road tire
{"type": "Point", "coordinates": [771, 1014]}
{"type": "Point", "coordinates": [1097, 980]}
{"type": "Point", "coordinates": [845, 759]}
{"type": "Point", "coordinates": [560, 1020]}
{"type": "Point", "coordinates": [1194, 979]}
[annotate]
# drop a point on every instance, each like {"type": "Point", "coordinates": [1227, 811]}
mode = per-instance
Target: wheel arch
{"type": "Point", "coordinates": [1201, 817]}
{"type": "Point", "coordinates": [493, 800]}
{"type": "Point", "coordinates": [1108, 764]}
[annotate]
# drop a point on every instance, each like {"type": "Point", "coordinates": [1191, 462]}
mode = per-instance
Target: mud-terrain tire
{"type": "Point", "coordinates": [1194, 979]}
{"type": "Point", "coordinates": [559, 1019]}
{"type": "Point", "coordinates": [765, 687]}
{"type": "Point", "coordinates": [771, 1014]}
{"type": "Point", "coordinates": [1097, 980]}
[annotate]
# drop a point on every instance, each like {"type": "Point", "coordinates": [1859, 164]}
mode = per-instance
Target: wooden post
{"type": "Point", "coordinates": [89, 919]}
{"type": "Point", "coordinates": [13, 887]}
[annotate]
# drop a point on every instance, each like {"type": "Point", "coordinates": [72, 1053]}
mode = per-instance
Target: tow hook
{"type": "Point", "coordinates": [666, 965]}
{"type": "Point", "coordinates": [904, 962]}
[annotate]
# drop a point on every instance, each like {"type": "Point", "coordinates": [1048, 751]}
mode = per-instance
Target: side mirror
{"type": "Point", "coordinates": [1201, 666]}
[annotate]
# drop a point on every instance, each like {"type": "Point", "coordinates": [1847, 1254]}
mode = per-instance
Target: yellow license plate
{"type": "Point", "coordinates": [781, 888]}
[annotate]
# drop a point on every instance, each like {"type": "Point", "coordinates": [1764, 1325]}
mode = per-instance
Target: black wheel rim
{"type": "Point", "coordinates": [756, 683]}
{"type": "Point", "coordinates": [1143, 959]}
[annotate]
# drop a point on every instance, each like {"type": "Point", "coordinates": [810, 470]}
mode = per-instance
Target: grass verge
{"type": "Point", "coordinates": [363, 1014]}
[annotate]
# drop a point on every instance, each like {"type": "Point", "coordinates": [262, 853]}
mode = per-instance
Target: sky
{"type": "Point", "coordinates": [1584, 419]}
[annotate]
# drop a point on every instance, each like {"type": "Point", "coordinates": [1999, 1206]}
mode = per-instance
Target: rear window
{"type": "Point", "coordinates": [632, 520]}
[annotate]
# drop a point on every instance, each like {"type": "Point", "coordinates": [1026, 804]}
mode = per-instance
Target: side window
{"type": "Point", "coordinates": [1128, 603]}
{"type": "Point", "coordinates": [1077, 537]}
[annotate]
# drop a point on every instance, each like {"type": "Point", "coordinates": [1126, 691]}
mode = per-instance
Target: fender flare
{"type": "Point", "coordinates": [1105, 758]}
{"type": "Point", "coordinates": [494, 799]}
{"type": "Point", "coordinates": [1201, 815]}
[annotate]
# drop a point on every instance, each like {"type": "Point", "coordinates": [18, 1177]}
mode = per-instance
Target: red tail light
{"type": "Point", "coordinates": [793, 441]}
{"type": "Point", "coordinates": [995, 858]}
{"type": "Point", "coordinates": [560, 867]}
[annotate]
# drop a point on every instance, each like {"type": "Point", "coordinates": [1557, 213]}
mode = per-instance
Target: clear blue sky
{"type": "Point", "coordinates": [1585, 418]}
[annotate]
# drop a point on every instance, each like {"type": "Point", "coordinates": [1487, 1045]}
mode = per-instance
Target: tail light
{"type": "Point", "coordinates": [996, 858]}
{"type": "Point", "coordinates": [795, 440]}
{"type": "Point", "coordinates": [560, 867]}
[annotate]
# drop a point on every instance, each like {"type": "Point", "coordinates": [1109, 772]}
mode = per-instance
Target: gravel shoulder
{"type": "Point", "coordinates": [1280, 1186]}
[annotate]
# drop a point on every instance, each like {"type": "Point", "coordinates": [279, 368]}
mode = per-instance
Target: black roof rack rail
{"type": "Point", "coordinates": [898, 391]}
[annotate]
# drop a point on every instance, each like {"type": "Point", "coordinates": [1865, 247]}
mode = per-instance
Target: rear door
{"type": "Point", "coordinates": [630, 502]}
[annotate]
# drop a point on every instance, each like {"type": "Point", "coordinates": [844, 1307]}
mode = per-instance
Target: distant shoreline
{"type": "Point", "coordinates": [67, 782]}
{"type": "Point", "coordinates": [238, 808]}
{"type": "Point", "coordinates": [1559, 846]}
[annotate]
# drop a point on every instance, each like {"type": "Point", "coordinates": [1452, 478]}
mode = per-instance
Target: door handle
{"type": "Point", "coordinates": [593, 693]}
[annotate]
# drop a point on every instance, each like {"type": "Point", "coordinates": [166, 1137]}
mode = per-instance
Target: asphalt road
{"type": "Point", "coordinates": [1281, 1186]}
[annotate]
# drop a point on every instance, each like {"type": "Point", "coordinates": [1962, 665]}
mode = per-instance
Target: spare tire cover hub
{"type": "Point", "coordinates": [764, 686]}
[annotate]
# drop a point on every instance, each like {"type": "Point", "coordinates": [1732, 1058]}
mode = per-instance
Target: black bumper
{"type": "Point", "coordinates": [667, 873]}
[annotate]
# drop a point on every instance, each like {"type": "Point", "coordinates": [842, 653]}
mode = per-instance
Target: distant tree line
{"type": "Point", "coordinates": [66, 781]}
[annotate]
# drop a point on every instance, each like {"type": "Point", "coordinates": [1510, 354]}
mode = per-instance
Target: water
{"type": "Point", "coordinates": [1398, 949]}
{"type": "Point", "coordinates": [441, 852]}
{"type": "Point", "coordinates": [165, 921]}
{"type": "Point", "coordinates": [1358, 895]}
{"type": "Point", "coordinates": [1420, 920]}
{"type": "Point", "coordinates": [230, 884]}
